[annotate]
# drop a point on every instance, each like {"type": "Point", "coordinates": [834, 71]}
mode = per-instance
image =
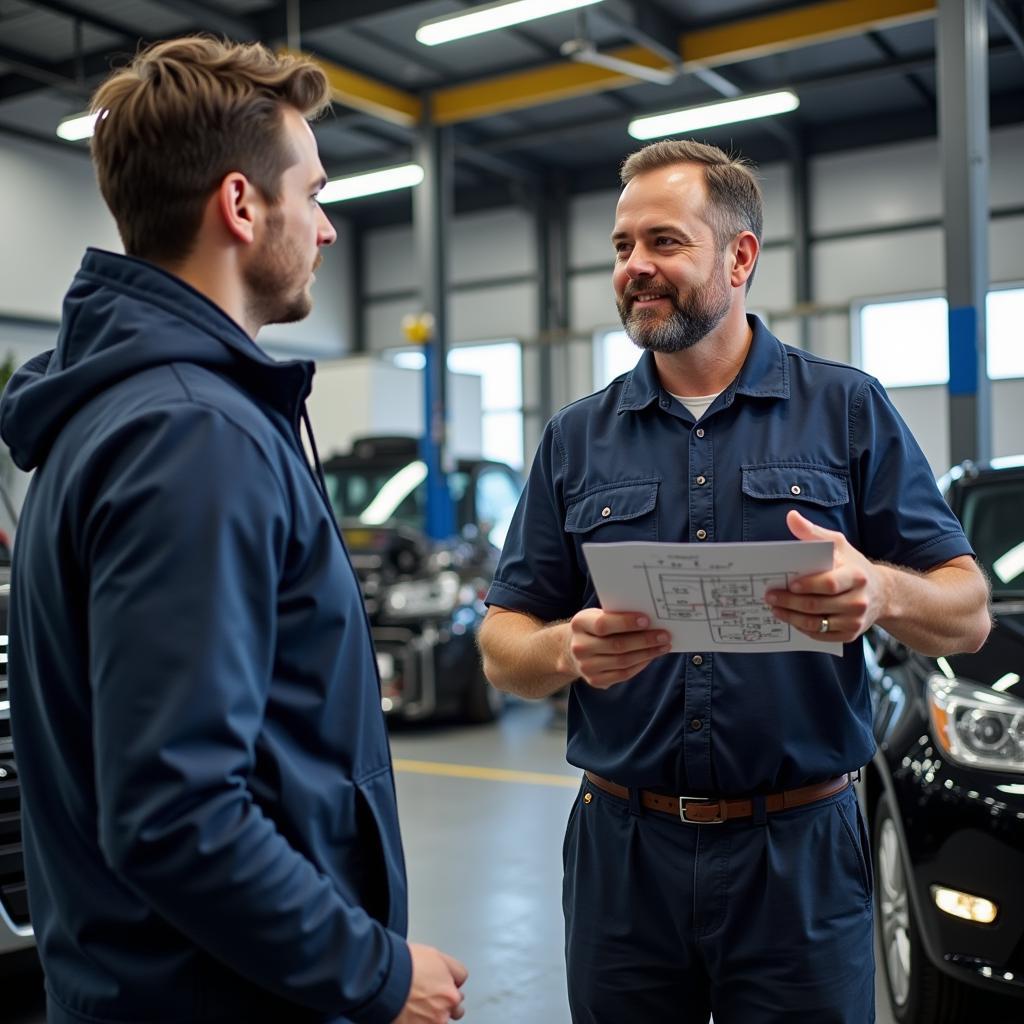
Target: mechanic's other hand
{"type": "Point", "coordinates": [605, 648]}
{"type": "Point", "coordinates": [851, 595]}
{"type": "Point", "coordinates": [434, 997]}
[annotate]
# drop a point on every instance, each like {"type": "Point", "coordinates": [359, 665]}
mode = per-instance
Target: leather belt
{"type": "Point", "coordinates": [706, 810]}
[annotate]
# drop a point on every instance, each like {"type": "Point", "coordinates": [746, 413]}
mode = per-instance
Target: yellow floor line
{"type": "Point", "coordinates": [472, 771]}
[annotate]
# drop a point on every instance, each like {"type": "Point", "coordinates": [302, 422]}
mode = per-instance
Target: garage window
{"type": "Point", "coordinates": [904, 342]}
{"type": "Point", "coordinates": [500, 368]}
{"type": "Point", "coordinates": [614, 353]}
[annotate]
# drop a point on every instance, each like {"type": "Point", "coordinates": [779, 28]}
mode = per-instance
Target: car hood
{"type": "Point", "coordinates": [1003, 653]}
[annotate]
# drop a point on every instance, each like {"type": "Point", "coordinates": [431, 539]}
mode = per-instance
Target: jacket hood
{"type": "Point", "coordinates": [120, 316]}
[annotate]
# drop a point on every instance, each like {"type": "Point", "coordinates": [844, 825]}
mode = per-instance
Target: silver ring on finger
{"type": "Point", "coordinates": [823, 625]}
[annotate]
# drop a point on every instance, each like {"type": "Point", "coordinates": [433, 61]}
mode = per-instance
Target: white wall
{"type": "Point", "coordinates": [51, 210]}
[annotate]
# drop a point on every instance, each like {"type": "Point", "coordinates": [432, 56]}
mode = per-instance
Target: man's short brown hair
{"type": "Point", "coordinates": [182, 115]}
{"type": "Point", "coordinates": [734, 200]}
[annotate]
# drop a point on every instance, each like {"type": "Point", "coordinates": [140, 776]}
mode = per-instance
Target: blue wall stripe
{"type": "Point", "coordinates": [963, 355]}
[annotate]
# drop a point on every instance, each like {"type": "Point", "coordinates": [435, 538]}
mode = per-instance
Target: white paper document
{"type": "Point", "coordinates": [710, 597]}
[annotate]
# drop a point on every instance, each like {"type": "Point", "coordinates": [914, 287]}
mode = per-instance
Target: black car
{"type": "Point", "coordinates": [945, 791]}
{"type": "Point", "coordinates": [424, 598]}
{"type": "Point", "coordinates": [16, 939]}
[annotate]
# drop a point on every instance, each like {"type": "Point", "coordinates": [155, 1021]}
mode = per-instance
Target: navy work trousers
{"type": "Point", "coordinates": [757, 922]}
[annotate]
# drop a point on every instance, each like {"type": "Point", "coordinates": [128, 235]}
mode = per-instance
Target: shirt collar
{"type": "Point", "coordinates": [764, 374]}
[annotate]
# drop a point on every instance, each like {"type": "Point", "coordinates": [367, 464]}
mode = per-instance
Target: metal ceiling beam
{"type": "Point", "coordinates": [1006, 21]}
{"type": "Point", "coordinates": [320, 14]}
{"type": "Point", "coordinates": [708, 47]}
{"type": "Point", "coordinates": [50, 76]}
{"type": "Point", "coordinates": [86, 17]}
{"type": "Point", "coordinates": [519, 90]}
{"type": "Point", "coordinates": [210, 18]}
{"type": "Point", "coordinates": [361, 92]}
{"type": "Point", "coordinates": [804, 25]}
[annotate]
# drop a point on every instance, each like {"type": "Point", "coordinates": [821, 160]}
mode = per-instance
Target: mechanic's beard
{"type": "Point", "coordinates": [276, 279]}
{"type": "Point", "coordinates": [692, 318]}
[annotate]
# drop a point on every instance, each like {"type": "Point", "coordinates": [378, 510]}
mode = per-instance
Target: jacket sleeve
{"type": "Point", "coordinates": [183, 538]}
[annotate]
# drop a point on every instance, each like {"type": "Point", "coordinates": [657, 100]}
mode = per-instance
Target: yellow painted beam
{"type": "Point", "coordinates": [360, 92]}
{"type": "Point", "coordinates": [521, 89]}
{"type": "Point", "coordinates": [801, 26]}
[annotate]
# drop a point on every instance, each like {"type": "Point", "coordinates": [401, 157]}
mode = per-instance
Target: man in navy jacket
{"type": "Point", "coordinates": [210, 821]}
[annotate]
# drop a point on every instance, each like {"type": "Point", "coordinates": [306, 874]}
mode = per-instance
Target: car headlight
{"type": "Point", "coordinates": [424, 598]}
{"type": "Point", "coordinates": [976, 726]}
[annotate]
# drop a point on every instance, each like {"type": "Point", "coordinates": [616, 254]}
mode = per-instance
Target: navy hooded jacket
{"type": "Point", "coordinates": [210, 823]}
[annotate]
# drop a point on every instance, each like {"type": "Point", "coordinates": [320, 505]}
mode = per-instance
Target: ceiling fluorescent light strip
{"type": "Point", "coordinates": [370, 183]}
{"type": "Point", "coordinates": [747, 108]}
{"type": "Point", "coordinates": [76, 128]}
{"type": "Point", "coordinates": [489, 17]}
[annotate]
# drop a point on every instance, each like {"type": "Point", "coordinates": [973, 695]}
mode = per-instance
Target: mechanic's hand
{"type": "Point", "coordinates": [851, 595]}
{"type": "Point", "coordinates": [605, 648]}
{"type": "Point", "coordinates": [436, 979]}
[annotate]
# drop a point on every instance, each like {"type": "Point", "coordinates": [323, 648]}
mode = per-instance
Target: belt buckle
{"type": "Point", "coordinates": [684, 800]}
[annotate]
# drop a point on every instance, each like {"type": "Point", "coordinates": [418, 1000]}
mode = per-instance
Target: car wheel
{"type": "Point", "coordinates": [482, 702]}
{"type": "Point", "coordinates": [919, 993]}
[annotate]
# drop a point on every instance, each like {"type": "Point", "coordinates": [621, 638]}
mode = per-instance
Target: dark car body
{"type": "Point", "coordinates": [16, 937]}
{"type": "Point", "coordinates": [945, 790]}
{"type": "Point", "coordinates": [424, 598]}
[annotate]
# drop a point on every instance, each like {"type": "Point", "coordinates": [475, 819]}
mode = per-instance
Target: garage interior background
{"type": "Point", "coordinates": [852, 179]}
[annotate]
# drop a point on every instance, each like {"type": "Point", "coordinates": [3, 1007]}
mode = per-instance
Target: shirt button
{"type": "Point", "coordinates": [606, 512]}
{"type": "Point", "coordinates": [697, 660]}
{"type": "Point", "coordinates": [696, 724]}
{"type": "Point", "coordinates": [664, 403]}
{"type": "Point", "coordinates": [701, 481]}
{"type": "Point", "coordinates": [702, 534]}
{"type": "Point", "coordinates": [700, 431]}
{"type": "Point", "coordinates": [795, 489]}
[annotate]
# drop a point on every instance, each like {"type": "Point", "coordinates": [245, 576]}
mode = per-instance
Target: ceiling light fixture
{"type": "Point", "coordinates": [690, 119]}
{"type": "Point", "coordinates": [370, 183]}
{"type": "Point", "coordinates": [77, 127]}
{"type": "Point", "coordinates": [489, 17]}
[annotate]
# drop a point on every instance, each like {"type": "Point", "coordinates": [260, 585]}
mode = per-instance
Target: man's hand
{"type": "Point", "coordinates": [852, 595]}
{"type": "Point", "coordinates": [436, 979]}
{"type": "Point", "coordinates": [605, 648]}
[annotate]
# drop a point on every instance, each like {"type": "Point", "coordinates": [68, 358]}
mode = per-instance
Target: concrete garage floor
{"type": "Point", "coordinates": [483, 811]}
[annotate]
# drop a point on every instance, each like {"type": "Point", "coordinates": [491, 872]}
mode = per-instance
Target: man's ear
{"type": "Point", "coordinates": [236, 202]}
{"type": "Point", "coordinates": [743, 255]}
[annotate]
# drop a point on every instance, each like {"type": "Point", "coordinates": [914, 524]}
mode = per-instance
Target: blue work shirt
{"type": "Point", "coordinates": [629, 463]}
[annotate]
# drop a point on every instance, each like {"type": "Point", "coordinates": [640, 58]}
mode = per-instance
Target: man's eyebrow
{"type": "Point", "coordinates": [656, 229]}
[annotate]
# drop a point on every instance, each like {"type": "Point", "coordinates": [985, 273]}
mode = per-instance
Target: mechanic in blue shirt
{"type": "Point", "coordinates": [715, 858]}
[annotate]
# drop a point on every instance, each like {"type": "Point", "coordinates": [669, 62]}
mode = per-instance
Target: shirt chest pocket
{"type": "Point", "coordinates": [622, 511]}
{"type": "Point", "coordinates": [770, 490]}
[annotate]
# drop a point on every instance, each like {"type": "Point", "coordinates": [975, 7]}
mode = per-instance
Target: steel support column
{"type": "Point", "coordinates": [963, 134]}
{"type": "Point", "coordinates": [551, 210]}
{"type": "Point", "coordinates": [432, 209]}
{"type": "Point", "coordinates": [800, 187]}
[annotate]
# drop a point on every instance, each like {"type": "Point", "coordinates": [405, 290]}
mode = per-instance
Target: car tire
{"type": "Point", "coordinates": [482, 702]}
{"type": "Point", "coordinates": [919, 993]}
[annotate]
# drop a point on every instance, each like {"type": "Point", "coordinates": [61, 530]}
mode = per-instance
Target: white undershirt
{"type": "Point", "coordinates": [697, 404]}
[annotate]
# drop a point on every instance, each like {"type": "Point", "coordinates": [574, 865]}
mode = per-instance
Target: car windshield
{"type": "Point", "coordinates": [373, 495]}
{"type": "Point", "coordinates": [994, 523]}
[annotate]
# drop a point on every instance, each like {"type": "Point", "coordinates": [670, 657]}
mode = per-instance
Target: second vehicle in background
{"type": "Point", "coordinates": [424, 598]}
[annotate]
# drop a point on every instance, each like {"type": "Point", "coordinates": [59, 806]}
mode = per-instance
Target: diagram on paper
{"type": "Point", "coordinates": [710, 597]}
{"type": "Point", "coordinates": [732, 606]}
